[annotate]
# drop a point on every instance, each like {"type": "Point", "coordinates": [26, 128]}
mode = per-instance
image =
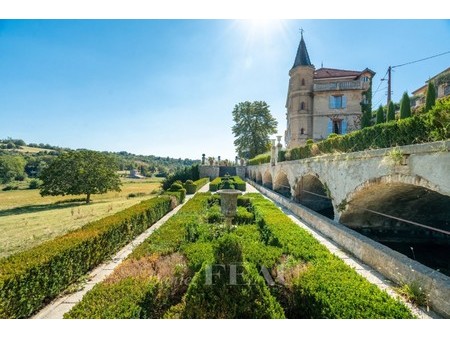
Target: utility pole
{"type": "Point", "coordinates": [389, 86]}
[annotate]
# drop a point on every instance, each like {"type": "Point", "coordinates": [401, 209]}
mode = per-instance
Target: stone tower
{"type": "Point", "coordinates": [299, 103]}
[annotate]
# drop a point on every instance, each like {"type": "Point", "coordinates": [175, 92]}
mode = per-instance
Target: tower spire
{"type": "Point", "coordinates": [302, 57]}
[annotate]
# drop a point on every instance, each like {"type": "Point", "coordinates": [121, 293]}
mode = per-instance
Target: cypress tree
{"type": "Point", "coordinates": [380, 115]}
{"type": "Point", "coordinates": [431, 96]}
{"type": "Point", "coordinates": [405, 106]}
{"type": "Point", "coordinates": [391, 112]}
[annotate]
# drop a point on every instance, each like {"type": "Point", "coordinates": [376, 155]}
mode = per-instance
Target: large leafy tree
{"type": "Point", "coordinates": [431, 96]}
{"type": "Point", "coordinates": [253, 126]}
{"type": "Point", "coordinates": [405, 106]}
{"type": "Point", "coordinates": [80, 172]}
{"type": "Point", "coordinates": [11, 166]}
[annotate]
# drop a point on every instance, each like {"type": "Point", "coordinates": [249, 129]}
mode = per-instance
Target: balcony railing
{"type": "Point", "coordinates": [345, 85]}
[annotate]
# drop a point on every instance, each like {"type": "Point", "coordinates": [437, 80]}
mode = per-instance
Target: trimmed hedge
{"type": "Point", "coordinates": [325, 287]}
{"type": "Point", "coordinates": [429, 127]}
{"type": "Point", "coordinates": [259, 159]}
{"type": "Point", "coordinates": [329, 288]}
{"type": "Point", "coordinates": [30, 279]}
{"type": "Point", "coordinates": [193, 187]}
{"type": "Point", "coordinates": [127, 299]}
{"type": "Point", "coordinates": [238, 183]}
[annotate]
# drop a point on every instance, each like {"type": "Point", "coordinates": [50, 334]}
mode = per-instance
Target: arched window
{"type": "Point", "coordinates": [302, 131]}
{"type": "Point", "coordinates": [302, 105]}
{"type": "Point", "coordinates": [303, 82]}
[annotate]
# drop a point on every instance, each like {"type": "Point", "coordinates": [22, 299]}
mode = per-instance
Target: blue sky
{"type": "Point", "coordinates": [167, 87]}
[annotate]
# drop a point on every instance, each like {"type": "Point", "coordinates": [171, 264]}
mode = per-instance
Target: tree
{"type": "Point", "coordinates": [11, 167]}
{"type": "Point", "coordinates": [253, 126]}
{"type": "Point", "coordinates": [80, 172]}
{"type": "Point", "coordinates": [380, 115]}
{"type": "Point", "coordinates": [391, 112]}
{"type": "Point", "coordinates": [366, 107]}
{"type": "Point", "coordinates": [405, 106]}
{"type": "Point", "coordinates": [431, 96]}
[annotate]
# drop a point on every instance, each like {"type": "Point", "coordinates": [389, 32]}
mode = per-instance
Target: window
{"type": "Point", "coordinates": [303, 82]}
{"type": "Point", "coordinates": [302, 131]}
{"type": "Point", "coordinates": [302, 105]}
{"type": "Point", "coordinates": [338, 101]}
{"type": "Point", "coordinates": [337, 126]}
{"type": "Point", "coordinates": [365, 79]}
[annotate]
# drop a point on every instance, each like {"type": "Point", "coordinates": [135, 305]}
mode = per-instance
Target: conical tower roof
{"type": "Point", "coordinates": [302, 57]}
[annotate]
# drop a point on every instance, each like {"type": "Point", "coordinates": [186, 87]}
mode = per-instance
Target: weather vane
{"type": "Point", "coordinates": [301, 30]}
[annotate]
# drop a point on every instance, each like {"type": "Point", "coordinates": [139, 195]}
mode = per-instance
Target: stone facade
{"type": "Point", "coordinates": [323, 101]}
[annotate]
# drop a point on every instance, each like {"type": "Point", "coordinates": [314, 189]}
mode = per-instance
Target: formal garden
{"type": "Point", "coordinates": [263, 266]}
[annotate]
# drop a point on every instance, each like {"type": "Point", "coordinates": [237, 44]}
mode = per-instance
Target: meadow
{"type": "Point", "coordinates": [27, 219]}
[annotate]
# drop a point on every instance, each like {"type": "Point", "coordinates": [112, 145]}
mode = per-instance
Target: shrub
{"type": "Point", "coordinates": [219, 297]}
{"type": "Point", "coordinates": [10, 187]}
{"type": "Point", "coordinates": [129, 298]}
{"type": "Point", "coordinates": [176, 189]}
{"type": "Point", "coordinates": [190, 187]}
{"type": "Point", "coordinates": [215, 215]}
{"type": "Point", "coordinates": [214, 184]}
{"type": "Point", "coordinates": [34, 184]}
{"type": "Point", "coordinates": [243, 216]}
{"type": "Point", "coordinates": [31, 278]}
{"type": "Point", "coordinates": [135, 194]}
{"type": "Point", "coordinates": [188, 173]}
{"type": "Point", "coordinates": [236, 181]}
{"type": "Point", "coordinates": [329, 288]}
{"type": "Point", "coordinates": [260, 159]}
{"type": "Point", "coordinates": [433, 126]}
{"type": "Point", "coordinates": [201, 182]}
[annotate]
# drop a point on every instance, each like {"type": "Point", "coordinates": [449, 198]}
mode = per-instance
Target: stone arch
{"type": "Point", "coordinates": [281, 184]}
{"type": "Point", "coordinates": [405, 197]}
{"type": "Point", "coordinates": [313, 194]}
{"type": "Point", "coordinates": [408, 197]}
{"type": "Point", "coordinates": [267, 180]}
{"type": "Point", "coordinates": [258, 177]}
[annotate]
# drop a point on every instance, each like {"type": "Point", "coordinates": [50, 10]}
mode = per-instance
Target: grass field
{"type": "Point", "coordinates": [27, 219]}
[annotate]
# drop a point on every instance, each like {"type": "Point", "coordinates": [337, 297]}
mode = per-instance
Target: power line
{"type": "Point", "coordinates": [405, 64]}
{"type": "Point", "coordinates": [427, 58]}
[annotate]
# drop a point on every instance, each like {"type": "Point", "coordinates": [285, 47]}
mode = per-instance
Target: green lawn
{"type": "Point", "coordinates": [27, 219]}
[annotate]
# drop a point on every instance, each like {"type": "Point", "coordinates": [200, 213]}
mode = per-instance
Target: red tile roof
{"type": "Point", "coordinates": [323, 73]}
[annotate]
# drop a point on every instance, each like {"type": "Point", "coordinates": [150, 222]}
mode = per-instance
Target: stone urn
{"type": "Point", "coordinates": [228, 203]}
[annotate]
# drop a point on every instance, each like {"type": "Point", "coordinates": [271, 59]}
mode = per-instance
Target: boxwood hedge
{"type": "Point", "coordinates": [326, 287]}
{"type": "Point", "coordinates": [30, 279]}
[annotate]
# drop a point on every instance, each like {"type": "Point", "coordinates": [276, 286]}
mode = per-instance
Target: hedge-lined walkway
{"type": "Point", "coordinates": [61, 305]}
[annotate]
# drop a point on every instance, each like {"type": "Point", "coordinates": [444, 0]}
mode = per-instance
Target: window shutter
{"type": "Point", "coordinates": [344, 101]}
{"type": "Point", "coordinates": [330, 127]}
{"type": "Point", "coordinates": [344, 127]}
{"type": "Point", "coordinates": [331, 102]}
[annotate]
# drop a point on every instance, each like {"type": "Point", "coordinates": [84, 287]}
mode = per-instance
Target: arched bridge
{"type": "Point", "coordinates": [372, 191]}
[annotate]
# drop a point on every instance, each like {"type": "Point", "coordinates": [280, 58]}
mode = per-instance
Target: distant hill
{"type": "Point", "coordinates": [38, 155]}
